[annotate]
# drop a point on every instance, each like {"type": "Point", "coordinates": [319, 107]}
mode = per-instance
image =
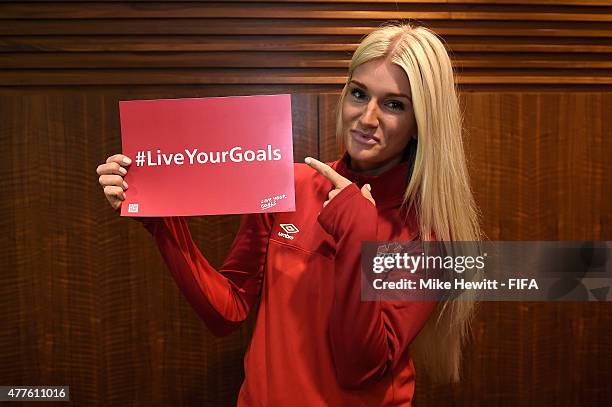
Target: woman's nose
{"type": "Point", "coordinates": [369, 117]}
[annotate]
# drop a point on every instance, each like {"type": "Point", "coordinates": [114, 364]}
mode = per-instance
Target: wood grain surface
{"type": "Point", "coordinates": [85, 299]}
{"type": "Point", "coordinates": [511, 42]}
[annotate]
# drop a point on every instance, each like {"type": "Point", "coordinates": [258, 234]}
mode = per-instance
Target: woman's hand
{"type": "Point", "coordinates": [111, 178]}
{"type": "Point", "coordinates": [337, 180]}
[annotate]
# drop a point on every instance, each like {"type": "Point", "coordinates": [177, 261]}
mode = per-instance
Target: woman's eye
{"type": "Point", "coordinates": [358, 93]}
{"type": "Point", "coordinates": [395, 105]}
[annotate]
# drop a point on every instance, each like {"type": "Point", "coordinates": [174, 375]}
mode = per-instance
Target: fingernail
{"type": "Point", "coordinates": [307, 160]}
{"type": "Point", "coordinates": [122, 170]}
{"type": "Point", "coordinates": [127, 161]}
{"type": "Point", "coordinates": [125, 185]}
{"type": "Point", "coordinates": [369, 187]}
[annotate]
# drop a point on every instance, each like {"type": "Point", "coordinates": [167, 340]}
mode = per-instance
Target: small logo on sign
{"type": "Point", "coordinates": [271, 201]}
{"type": "Point", "coordinates": [133, 208]}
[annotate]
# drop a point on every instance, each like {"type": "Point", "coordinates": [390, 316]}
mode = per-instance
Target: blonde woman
{"type": "Point", "coordinates": [403, 177]}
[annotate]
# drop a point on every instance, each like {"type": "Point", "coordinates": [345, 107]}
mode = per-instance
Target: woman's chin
{"type": "Point", "coordinates": [362, 160]}
{"type": "Point", "coordinates": [361, 154]}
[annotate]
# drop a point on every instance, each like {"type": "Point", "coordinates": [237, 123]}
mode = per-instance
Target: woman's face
{"type": "Point", "coordinates": [377, 116]}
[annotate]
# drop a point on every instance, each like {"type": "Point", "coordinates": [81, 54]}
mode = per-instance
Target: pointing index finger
{"type": "Point", "coordinates": [328, 172]}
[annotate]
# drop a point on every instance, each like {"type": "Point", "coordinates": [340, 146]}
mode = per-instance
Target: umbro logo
{"type": "Point", "coordinates": [289, 229]}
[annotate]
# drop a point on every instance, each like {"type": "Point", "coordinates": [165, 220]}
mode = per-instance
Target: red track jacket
{"type": "Point", "coordinates": [315, 343]}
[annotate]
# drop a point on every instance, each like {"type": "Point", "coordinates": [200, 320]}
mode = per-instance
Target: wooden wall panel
{"type": "Point", "coordinates": [73, 43]}
{"type": "Point", "coordinates": [539, 162]}
{"type": "Point", "coordinates": [85, 298]}
{"type": "Point", "coordinates": [543, 157]}
{"type": "Point", "coordinates": [540, 171]}
{"type": "Point", "coordinates": [568, 362]}
{"type": "Point", "coordinates": [93, 306]}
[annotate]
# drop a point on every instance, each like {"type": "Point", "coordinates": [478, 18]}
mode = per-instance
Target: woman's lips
{"type": "Point", "coordinates": [364, 138]}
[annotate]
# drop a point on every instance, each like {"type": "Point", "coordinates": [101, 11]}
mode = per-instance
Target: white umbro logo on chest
{"type": "Point", "coordinates": [289, 229]}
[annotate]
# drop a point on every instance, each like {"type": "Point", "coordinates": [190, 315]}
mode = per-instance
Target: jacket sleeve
{"type": "Point", "coordinates": [367, 338]}
{"type": "Point", "coordinates": [221, 298]}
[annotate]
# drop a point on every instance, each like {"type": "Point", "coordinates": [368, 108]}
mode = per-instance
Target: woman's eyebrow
{"type": "Point", "coordinates": [361, 85]}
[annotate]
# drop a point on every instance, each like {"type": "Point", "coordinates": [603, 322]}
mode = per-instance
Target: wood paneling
{"type": "Point", "coordinates": [538, 161]}
{"type": "Point", "coordinates": [547, 163]}
{"type": "Point", "coordinates": [85, 299]}
{"type": "Point", "coordinates": [505, 43]}
{"type": "Point", "coordinates": [568, 358]}
{"type": "Point", "coordinates": [304, 10]}
{"type": "Point", "coordinates": [280, 26]}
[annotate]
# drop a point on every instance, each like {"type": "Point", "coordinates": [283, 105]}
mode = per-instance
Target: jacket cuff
{"type": "Point", "coordinates": [337, 217]}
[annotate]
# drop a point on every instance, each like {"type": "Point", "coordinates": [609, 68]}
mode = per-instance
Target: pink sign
{"type": "Point", "coordinates": [208, 156]}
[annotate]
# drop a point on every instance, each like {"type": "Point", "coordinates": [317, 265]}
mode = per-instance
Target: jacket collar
{"type": "Point", "coordinates": [387, 188]}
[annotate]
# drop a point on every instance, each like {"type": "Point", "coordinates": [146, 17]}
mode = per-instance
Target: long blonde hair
{"type": "Point", "coordinates": [439, 188]}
